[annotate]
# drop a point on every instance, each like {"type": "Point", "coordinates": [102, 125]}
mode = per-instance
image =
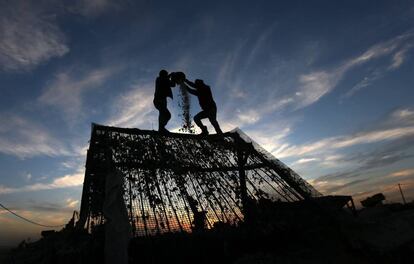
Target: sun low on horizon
{"type": "Point", "coordinates": [324, 86]}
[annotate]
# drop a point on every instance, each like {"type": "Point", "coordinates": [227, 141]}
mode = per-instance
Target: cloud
{"type": "Point", "coordinates": [333, 188]}
{"type": "Point", "coordinates": [399, 57]}
{"type": "Point", "coordinates": [346, 141]}
{"type": "Point", "coordinates": [398, 47]}
{"type": "Point", "coordinates": [134, 108]}
{"type": "Point", "coordinates": [270, 136]}
{"type": "Point", "coordinates": [401, 116]}
{"type": "Point", "coordinates": [396, 44]}
{"type": "Point", "coordinates": [363, 165]}
{"type": "Point", "coordinates": [370, 165]}
{"type": "Point", "coordinates": [4, 189]}
{"type": "Point", "coordinates": [94, 8]}
{"type": "Point", "coordinates": [65, 91]}
{"type": "Point", "coordinates": [259, 43]}
{"type": "Point", "coordinates": [393, 151]}
{"type": "Point", "coordinates": [366, 81]}
{"type": "Point", "coordinates": [250, 116]}
{"type": "Point", "coordinates": [403, 173]}
{"type": "Point", "coordinates": [66, 181]}
{"type": "Point", "coordinates": [315, 85]}
{"type": "Point", "coordinates": [305, 90]}
{"type": "Point", "coordinates": [332, 160]}
{"type": "Point", "coordinates": [13, 230]}
{"type": "Point", "coordinates": [238, 78]}
{"type": "Point", "coordinates": [29, 176]}
{"type": "Point", "coordinates": [368, 185]}
{"type": "Point", "coordinates": [62, 206]}
{"type": "Point", "coordinates": [23, 138]}
{"type": "Point", "coordinates": [71, 203]}
{"type": "Point", "coordinates": [56, 213]}
{"type": "Point", "coordinates": [28, 36]}
{"type": "Point", "coordinates": [305, 160]}
{"type": "Point", "coordinates": [391, 143]}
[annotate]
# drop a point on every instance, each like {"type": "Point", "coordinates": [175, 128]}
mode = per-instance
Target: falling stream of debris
{"type": "Point", "coordinates": [184, 103]}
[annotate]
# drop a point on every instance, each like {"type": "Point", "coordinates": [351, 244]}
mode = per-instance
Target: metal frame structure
{"type": "Point", "coordinates": [182, 182]}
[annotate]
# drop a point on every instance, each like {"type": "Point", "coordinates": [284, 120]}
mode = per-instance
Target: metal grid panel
{"type": "Point", "coordinates": [172, 181]}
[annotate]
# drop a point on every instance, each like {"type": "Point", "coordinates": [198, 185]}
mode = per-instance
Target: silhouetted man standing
{"type": "Point", "coordinates": [207, 104]}
{"type": "Point", "coordinates": [163, 86]}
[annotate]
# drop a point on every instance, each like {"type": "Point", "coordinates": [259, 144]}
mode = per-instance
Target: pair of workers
{"type": "Point", "coordinates": [163, 85]}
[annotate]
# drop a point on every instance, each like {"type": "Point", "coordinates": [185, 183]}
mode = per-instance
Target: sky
{"type": "Point", "coordinates": [325, 86]}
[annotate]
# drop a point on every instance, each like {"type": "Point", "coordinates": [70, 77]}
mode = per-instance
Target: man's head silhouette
{"type": "Point", "coordinates": [199, 83]}
{"type": "Point", "coordinates": [163, 73]}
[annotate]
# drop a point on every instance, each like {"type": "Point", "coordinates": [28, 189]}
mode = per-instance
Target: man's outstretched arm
{"type": "Point", "coordinates": [191, 91]}
{"type": "Point", "coordinates": [189, 83]}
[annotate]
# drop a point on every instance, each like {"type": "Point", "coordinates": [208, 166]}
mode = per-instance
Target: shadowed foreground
{"type": "Point", "coordinates": [286, 234]}
{"type": "Point", "coordinates": [157, 198]}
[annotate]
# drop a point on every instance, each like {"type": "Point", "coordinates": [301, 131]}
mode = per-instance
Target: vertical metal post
{"type": "Point", "coordinates": [164, 184]}
{"type": "Point", "coordinates": [85, 206]}
{"type": "Point", "coordinates": [402, 194]}
{"type": "Point", "coordinates": [157, 185]}
{"type": "Point", "coordinates": [241, 161]}
{"type": "Point", "coordinates": [141, 190]}
{"type": "Point", "coordinates": [131, 215]}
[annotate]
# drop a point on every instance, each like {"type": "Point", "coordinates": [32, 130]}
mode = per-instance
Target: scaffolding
{"type": "Point", "coordinates": [183, 182]}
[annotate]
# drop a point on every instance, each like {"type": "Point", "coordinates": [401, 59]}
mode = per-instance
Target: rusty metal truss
{"type": "Point", "coordinates": [177, 182]}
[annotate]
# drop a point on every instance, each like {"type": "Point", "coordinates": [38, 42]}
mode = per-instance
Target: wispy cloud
{"type": "Point", "coordinates": [306, 90]}
{"type": "Point", "coordinates": [397, 47]}
{"type": "Point", "coordinates": [363, 165]}
{"type": "Point", "coordinates": [401, 116]}
{"type": "Point", "coordinates": [66, 89]}
{"type": "Point", "coordinates": [134, 108]}
{"type": "Point", "coordinates": [368, 185]}
{"type": "Point", "coordinates": [28, 176]}
{"type": "Point", "coordinates": [346, 141]}
{"type": "Point", "coordinates": [400, 56]}
{"type": "Point", "coordinates": [271, 136]}
{"type": "Point", "coordinates": [13, 230]}
{"type": "Point", "coordinates": [367, 170]}
{"type": "Point", "coordinates": [315, 85]}
{"type": "Point", "coordinates": [379, 50]}
{"type": "Point", "coordinates": [23, 138]}
{"type": "Point", "coordinates": [71, 203]}
{"type": "Point", "coordinates": [305, 160]}
{"type": "Point", "coordinates": [94, 8]}
{"type": "Point", "coordinates": [58, 206]}
{"type": "Point", "coordinates": [403, 173]}
{"type": "Point", "coordinates": [69, 180]}
{"type": "Point", "coordinates": [366, 81]}
{"type": "Point", "coordinates": [342, 157]}
{"type": "Point", "coordinates": [28, 36]}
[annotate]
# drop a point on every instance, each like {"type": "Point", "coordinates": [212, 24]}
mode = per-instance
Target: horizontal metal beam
{"type": "Point", "coordinates": [136, 131]}
{"type": "Point", "coordinates": [173, 167]}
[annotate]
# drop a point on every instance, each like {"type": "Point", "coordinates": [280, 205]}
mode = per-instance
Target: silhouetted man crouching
{"type": "Point", "coordinates": [207, 104]}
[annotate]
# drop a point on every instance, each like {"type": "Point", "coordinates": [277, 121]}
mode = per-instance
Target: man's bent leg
{"type": "Point", "coordinates": [213, 120]}
{"type": "Point", "coordinates": [165, 116]}
{"type": "Point", "coordinates": [197, 120]}
{"type": "Point", "coordinates": [216, 126]}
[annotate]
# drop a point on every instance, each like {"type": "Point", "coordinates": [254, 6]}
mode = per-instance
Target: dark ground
{"type": "Point", "coordinates": [279, 233]}
{"type": "Point", "coordinates": [4, 253]}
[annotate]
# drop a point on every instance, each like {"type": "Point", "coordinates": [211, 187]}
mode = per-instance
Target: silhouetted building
{"type": "Point", "coordinates": [374, 200]}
